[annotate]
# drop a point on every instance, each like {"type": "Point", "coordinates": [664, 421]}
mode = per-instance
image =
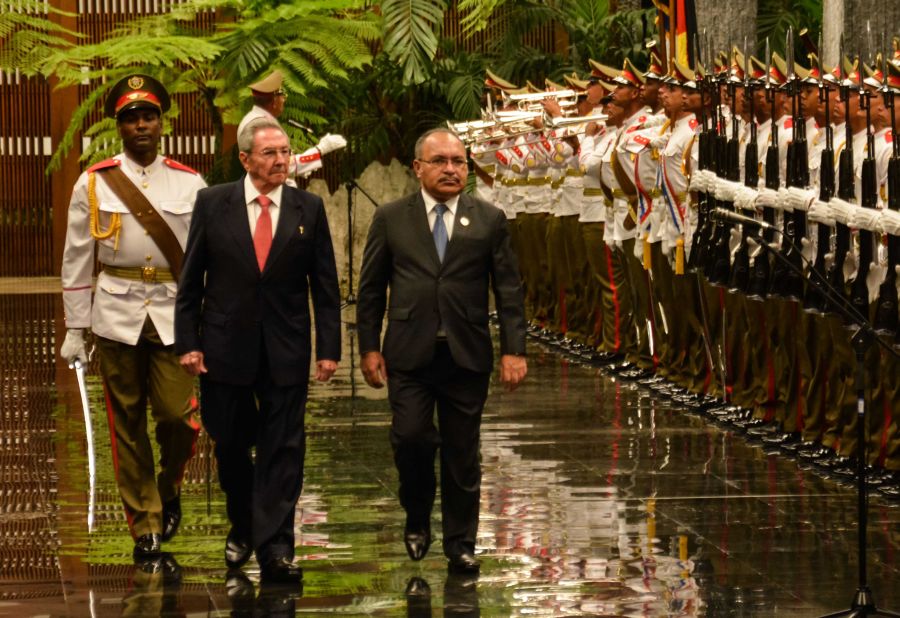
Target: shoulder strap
{"type": "Point", "coordinates": [147, 216]}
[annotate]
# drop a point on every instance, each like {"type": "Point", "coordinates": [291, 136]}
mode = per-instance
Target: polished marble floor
{"type": "Point", "coordinates": [598, 499]}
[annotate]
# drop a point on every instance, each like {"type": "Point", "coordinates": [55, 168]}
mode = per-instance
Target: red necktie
{"type": "Point", "coordinates": [262, 236]}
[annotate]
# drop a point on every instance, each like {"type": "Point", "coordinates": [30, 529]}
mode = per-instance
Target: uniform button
{"type": "Point", "coordinates": [147, 302]}
{"type": "Point", "coordinates": [149, 257]}
{"type": "Point", "coordinates": [146, 232]}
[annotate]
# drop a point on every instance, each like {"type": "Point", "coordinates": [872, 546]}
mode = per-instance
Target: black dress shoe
{"type": "Point", "coordinates": [171, 516]}
{"type": "Point", "coordinates": [237, 550]}
{"type": "Point", "coordinates": [464, 563]}
{"type": "Point", "coordinates": [239, 588]}
{"type": "Point", "coordinates": [417, 587]}
{"type": "Point", "coordinates": [281, 571]}
{"type": "Point", "coordinates": [147, 546]}
{"type": "Point", "coordinates": [417, 543]}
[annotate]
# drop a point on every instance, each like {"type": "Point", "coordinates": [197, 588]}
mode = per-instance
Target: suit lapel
{"type": "Point", "coordinates": [238, 222]}
{"type": "Point", "coordinates": [289, 220]}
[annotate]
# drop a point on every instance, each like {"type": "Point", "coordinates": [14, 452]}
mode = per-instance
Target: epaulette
{"type": "Point", "coordinates": [889, 137]}
{"type": "Point", "coordinates": [789, 123]}
{"type": "Point", "coordinates": [175, 165]}
{"type": "Point", "coordinates": [693, 124]}
{"type": "Point", "coordinates": [104, 165]}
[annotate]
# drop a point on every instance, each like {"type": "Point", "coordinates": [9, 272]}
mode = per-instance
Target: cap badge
{"type": "Point", "coordinates": [135, 82]}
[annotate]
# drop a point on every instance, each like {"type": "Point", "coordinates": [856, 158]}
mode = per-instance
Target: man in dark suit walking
{"type": "Point", "coordinates": [439, 251]}
{"type": "Point", "coordinates": [255, 251]}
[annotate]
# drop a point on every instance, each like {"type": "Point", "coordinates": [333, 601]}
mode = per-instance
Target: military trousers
{"type": "Point", "coordinates": [133, 376]}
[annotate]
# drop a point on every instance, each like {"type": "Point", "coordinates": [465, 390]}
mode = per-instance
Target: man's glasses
{"type": "Point", "coordinates": [271, 153]}
{"type": "Point", "coordinates": [457, 162]}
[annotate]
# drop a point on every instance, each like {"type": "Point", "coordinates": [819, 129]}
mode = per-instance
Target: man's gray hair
{"type": "Point", "coordinates": [245, 139]}
{"type": "Point", "coordinates": [420, 143]}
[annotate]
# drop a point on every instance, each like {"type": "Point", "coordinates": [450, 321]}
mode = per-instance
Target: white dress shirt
{"type": "Point", "coordinates": [449, 216]}
{"type": "Point", "coordinates": [253, 207]}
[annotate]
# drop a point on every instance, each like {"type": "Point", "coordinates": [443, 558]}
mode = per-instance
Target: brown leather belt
{"type": "Point", "coordinates": [147, 274]}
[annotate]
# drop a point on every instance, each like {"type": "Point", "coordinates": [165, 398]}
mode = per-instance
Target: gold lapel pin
{"type": "Point", "coordinates": [464, 221]}
{"type": "Point", "coordinates": [300, 230]}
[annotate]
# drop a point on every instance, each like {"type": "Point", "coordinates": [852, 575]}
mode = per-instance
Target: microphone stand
{"type": "Point", "coordinates": [350, 185]}
{"type": "Point", "coordinates": [863, 603]}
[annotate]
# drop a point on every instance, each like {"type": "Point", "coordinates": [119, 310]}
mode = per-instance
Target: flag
{"type": "Point", "coordinates": [685, 28]}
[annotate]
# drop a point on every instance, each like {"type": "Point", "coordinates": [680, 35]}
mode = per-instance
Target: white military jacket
{"type": "Point", "coordinates": [121, 305]}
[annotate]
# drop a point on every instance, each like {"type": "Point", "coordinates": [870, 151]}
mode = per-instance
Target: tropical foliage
{"type": "Point", "coordinates": [377, 72]}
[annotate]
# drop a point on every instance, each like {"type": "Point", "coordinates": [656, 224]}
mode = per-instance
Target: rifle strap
{"type": "Point", "coordinates": [147, 216]}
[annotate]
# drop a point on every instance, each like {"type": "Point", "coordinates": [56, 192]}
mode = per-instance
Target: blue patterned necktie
{"type": "Point", "coordinates": [439, 231]}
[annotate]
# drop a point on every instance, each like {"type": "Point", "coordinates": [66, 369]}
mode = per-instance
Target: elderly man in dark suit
{"type": "Point", "coordinates": [439, 251]}
{"type": "Point", "coordinates": [256, 250]}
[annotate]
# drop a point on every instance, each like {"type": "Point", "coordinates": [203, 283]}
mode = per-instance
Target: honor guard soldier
{"type": "Point", "coordinates": [135, 209]}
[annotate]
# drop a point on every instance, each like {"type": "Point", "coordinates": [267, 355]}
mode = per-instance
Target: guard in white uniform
{"type": "Point", "coordinates": [135, 209]}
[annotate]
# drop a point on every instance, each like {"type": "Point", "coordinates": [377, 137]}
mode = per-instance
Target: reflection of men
{"type": "Point", "coordinates": [256, 250]}
{"type": "Point", "coordinates": [136, 207]}
{"type": "Point", "coordinates": [438, 250]}
{"type": "Point", "coordinates": [268, 103]}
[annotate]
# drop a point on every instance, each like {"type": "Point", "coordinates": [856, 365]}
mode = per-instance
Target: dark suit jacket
{"type": "Point", "coordinates": [424, 292]}
{"type": "Point", "coordinates": [228, 309]}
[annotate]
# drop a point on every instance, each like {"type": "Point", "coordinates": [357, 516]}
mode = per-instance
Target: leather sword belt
{"type": "Point", "coordinates": [147, 274]}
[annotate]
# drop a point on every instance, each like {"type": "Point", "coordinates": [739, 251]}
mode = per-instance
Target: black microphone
{"type": "Point", "coordinates": [297, 125]}
{"type": "Point", "coordinates": [726, 215]}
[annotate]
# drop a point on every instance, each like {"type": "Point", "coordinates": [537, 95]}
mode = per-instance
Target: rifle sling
{"type": "Point", "coordinates": [147, 216]}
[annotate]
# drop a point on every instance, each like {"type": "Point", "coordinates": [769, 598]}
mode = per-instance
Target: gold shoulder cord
{"type": "Point", "coordinates": [115, 220]}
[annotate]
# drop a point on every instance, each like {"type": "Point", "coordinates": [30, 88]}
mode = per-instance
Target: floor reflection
{"type": "Point", "coordinates": [597, 500]}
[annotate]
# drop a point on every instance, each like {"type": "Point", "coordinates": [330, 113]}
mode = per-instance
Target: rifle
{"type": "Point", "coordinates": [718, 266]}
{"type": "Point", "coordinates": [859, 290]}
{"type": "Point", "coordinates": [705, 156]}
{"type": "Point", "coordinates": [740, 271]}
{"type": "Point", "coordinates": [730, 168]}
{"type": "Point", "coordinates": [846, 191]}
{"type": "Point", "coordinates": [760, 273]}
{"type": "Point", "coordinates": [886, 306]}
{"type": "Point", "coordinates": [787, 282]}
{"type": "Point", "coordinates": [814, 301]}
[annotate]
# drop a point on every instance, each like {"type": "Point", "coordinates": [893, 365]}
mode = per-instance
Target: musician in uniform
{"type": "Point", "coordinates": [135, 209]}
{"type": "Point", "coordinates": [269, 97]}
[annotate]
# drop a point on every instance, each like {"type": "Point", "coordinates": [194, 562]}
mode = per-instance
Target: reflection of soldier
{"type": "Point", "coordinates": [268, 102]}
{"type": "Point", "coordinates": [137, 208]}
{"type": "Point", "coordinates": [155, 588]}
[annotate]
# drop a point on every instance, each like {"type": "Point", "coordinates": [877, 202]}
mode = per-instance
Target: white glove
{"type": "Point", "coordinates": [874, 279]}
{"type": "Point", "coordinates": [841, 210]}
{"type": "Point", "coordinates": [800, 199]}
{"type": "Point", "coordinates": [820, 212]}
{"type": "Point", "coordinates": [865, 219]}
{"type": "Point", "coordinates": [829, 261]}
{"type": "Point", "coordinates": [73, 347]}
{"type": "Point", "coordinates": [850, 266]}
{"type": "Point", "coordinates": [783, 201]}
{"type": "Point", "coordinates": [330, 143]}
{"type": "Point", "coordinates": [890, 222]}
{"type": "Point", "coordinates": [767, 198]}
{"type": "Point", "coordinates": [725, 190]}
{"type": "Point", "coordinates": [735, 238]}
{"type": "Point", "coordinates": [659, 141]}
{"type": "Point", "coordinates": [745, 198]}
{"type": "Point", "coordinates": [807, 249]}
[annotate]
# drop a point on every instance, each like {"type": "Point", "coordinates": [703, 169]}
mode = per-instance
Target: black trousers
{"type": "Point", "coordinates": [261, 493]}
{"type": "Point", "coordinates": [458, 395]}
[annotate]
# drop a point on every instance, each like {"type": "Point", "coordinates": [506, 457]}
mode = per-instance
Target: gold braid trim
{"type": "Point", "coordinates": [115, 220]}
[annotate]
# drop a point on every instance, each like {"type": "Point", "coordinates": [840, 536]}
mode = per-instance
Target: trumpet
{"type": "Point", "coordinates": [531, 101]}
{"type": "Point", "coordinates": [565, 121]}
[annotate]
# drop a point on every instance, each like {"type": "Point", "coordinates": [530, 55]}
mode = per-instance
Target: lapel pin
{"type": "Point", "coordinates": [300, 230]}
{"type": "Point", "coordinates": [464, 221]}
